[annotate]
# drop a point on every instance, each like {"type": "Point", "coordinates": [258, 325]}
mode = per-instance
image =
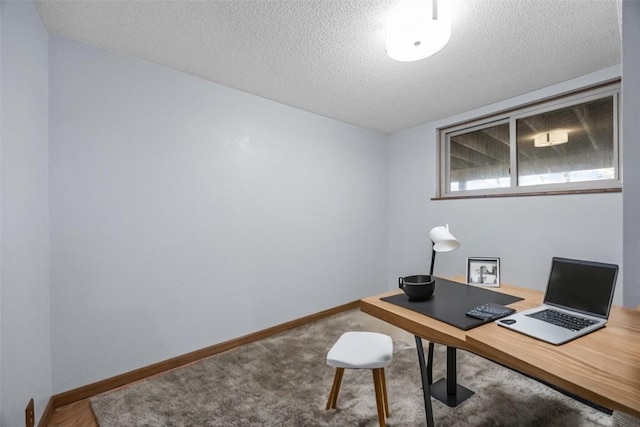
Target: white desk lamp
{"type": "Point", "coordinates": [442, 241]}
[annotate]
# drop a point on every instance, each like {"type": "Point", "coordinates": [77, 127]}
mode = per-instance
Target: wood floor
{"type": "Point", "coordinates": [77, 414]}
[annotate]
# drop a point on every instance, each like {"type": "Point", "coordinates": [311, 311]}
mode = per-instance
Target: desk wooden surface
{"type": "Point", "coordinates": [603, 367]}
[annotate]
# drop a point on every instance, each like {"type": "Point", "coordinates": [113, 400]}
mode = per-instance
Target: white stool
{"type": "Point", "coordinates": [362, 350]}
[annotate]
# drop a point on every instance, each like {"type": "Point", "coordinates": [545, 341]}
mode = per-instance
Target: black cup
{"type": "Point", "coordinates": [419, 287]}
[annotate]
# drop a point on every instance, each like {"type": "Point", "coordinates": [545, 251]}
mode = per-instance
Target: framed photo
{"type": "Point", "coordinates": [483, 272]}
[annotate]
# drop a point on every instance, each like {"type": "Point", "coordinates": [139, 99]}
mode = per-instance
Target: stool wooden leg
{"type": "Point", "coordinates": [335, 389]}
{"type": "Point", "coordinates": [384, 391]}
{"type": "Point", "coordinates": [377, 382]}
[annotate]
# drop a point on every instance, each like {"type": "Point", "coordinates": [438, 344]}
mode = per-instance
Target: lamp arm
{"type": "Point", "coordinates": [433, 259]}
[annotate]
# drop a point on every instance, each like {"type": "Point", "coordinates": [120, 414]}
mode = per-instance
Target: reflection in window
{"type": "Point", "coordinates": [479, 159]}
{"type": "Point", "coordinates": [573, 144]}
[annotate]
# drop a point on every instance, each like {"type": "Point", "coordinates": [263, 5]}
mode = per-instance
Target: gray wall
{"type": "Point", "coordinates": [524, 232]}
{"type": "Point", "coordinates": [185, 213]}
{"type": "Point", "coordinates": [25, 352]}
{"type": "Point", "coordinates": [631, 136]}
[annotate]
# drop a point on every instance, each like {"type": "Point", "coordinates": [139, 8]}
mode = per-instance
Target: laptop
{"type": "Point", "coordinates": [577, 301]}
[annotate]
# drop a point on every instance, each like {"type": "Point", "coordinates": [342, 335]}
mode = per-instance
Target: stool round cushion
{"type": "Point", "coordinates": [361, 350]}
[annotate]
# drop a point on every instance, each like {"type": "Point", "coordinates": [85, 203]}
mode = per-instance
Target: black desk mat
{"type": "Point", "coordinates": [451, 300]}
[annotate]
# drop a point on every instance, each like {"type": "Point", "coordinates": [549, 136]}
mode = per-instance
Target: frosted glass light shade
{"type": "Point", "coordinates": [443, 240]}
{"type": "Point", "coordinates": [418, 29]}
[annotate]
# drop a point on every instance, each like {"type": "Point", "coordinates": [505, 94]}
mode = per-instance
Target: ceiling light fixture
{"type": "Point", "coordinates": [417, 29]}
{"type": "Point", "coordinates": [547, 139]}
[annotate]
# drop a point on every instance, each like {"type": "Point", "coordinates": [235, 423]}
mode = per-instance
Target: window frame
{"type": "Point", "coordinates": [444, 134]}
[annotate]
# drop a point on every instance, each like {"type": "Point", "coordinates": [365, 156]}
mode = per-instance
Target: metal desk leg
{"type": "Point", "coordinates": [430, 363]}
{"type": "Point", "coordinates": [447, 390]}
{"type": "Point", "coordinates": [425, 374]}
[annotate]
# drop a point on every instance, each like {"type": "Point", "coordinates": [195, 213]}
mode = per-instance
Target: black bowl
{"type": "Point", "coordinates": [419, 287]}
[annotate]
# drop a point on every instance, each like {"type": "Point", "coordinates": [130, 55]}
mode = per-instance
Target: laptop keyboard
{"type": "Point", "coordinates": [568, 321]}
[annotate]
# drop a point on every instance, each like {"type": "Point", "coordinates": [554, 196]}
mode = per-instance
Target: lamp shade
{"type": "Point", "coordinates": [418, 29]}
{"type": "Point", "coordinates": [443, 240]}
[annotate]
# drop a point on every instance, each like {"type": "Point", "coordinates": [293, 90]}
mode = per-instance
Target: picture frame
{"type": "Point", "coordinates": [483, 272]}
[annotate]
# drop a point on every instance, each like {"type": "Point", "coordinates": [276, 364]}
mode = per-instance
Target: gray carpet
{"type": "Point", "coordinates": [284, 381]}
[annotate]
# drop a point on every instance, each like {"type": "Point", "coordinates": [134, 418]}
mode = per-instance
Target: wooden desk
{"type": "Point", "coordinates": [602, 367]}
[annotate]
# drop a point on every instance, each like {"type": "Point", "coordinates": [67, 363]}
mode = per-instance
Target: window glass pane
{"type": "Point", "coordinates": [479, 159]}
{"type": "Point", "coordinates": [571, 144]}
{"type": "Point", "coordinates": [562, 145]}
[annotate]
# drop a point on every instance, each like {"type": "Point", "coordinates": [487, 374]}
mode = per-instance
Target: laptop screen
{"type": "Point", "coordinates": [584, 286]}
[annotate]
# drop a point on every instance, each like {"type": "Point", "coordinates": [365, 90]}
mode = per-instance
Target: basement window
{"type": "Point", "coordinates": [565, 145]}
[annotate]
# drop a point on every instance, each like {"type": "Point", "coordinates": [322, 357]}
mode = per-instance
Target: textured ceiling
{"type": "Point", "coordinates": [328, 56]}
